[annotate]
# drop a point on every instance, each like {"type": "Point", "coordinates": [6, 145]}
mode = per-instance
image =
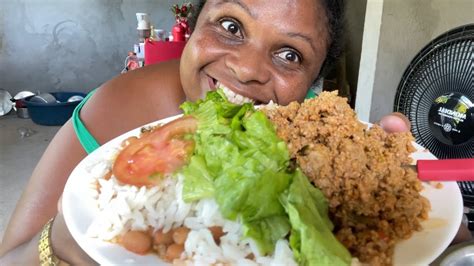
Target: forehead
{"type": "Point", "coordinates": [307, 16]}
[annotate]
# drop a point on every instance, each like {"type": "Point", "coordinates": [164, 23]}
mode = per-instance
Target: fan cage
{"type": "Point", "coordinates": [445, 65]}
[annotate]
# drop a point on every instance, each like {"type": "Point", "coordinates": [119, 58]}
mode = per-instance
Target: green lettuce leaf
{"type": "Point", "coordinates": [240, 162]}
{"type": "Point", "coordinates": [311, 239]}
{"type": "Point", "coordinates": [198, 183]}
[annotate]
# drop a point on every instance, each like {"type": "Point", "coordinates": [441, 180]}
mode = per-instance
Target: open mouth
{"type": "Point", "coordinates": [231, 95]}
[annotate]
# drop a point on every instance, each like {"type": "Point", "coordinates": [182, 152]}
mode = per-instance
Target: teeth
{"type": "Point", "coordinates": [232, 96]}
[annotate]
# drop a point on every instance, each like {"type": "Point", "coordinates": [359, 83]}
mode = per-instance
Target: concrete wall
{"type": "Point", "coordinates": [54, 45]}
{"type": "Point", "coordinates": [355, 17]}
{"type": "Point", "coordinates": [406, 27]}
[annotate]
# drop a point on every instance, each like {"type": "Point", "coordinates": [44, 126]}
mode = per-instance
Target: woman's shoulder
{"type": "Point", "coordinates": [163, 76]}
{"type": "Point", "coordinates": [133, 99]}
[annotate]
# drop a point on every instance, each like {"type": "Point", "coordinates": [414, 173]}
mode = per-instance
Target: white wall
{"type": "Point", "coordinates": [368, 60]}
{"type": "Point", "coordinates": [406, 27]}
{"type": "Point", "coordinates": [355, 18]}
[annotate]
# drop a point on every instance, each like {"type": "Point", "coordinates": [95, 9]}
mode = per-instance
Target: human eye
{"type": "Point", "coordinates": [231, 26]}
{"type": "Point", "coordinates": [289, 56]}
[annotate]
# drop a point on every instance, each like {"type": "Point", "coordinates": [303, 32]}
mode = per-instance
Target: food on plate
{"type": "Point", "coordinates": [374, 201]}
{"type": "Point", "coordinates": [234, 197]}
{"type": "Point", "coordinates": [156, 153]}
{"type": "Point", "coordinates": [228, 184]}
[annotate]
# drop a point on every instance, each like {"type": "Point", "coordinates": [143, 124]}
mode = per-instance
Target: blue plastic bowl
{"type": "Point", "coordinates": [53, 114]}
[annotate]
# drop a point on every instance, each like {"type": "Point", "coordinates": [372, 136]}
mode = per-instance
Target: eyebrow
{"type": "Point", "coordinates": [302, 36]}
{"type": "Point", "coordinates": [247, 9]}
{"type": "Point", "coordinates": [239, 3]}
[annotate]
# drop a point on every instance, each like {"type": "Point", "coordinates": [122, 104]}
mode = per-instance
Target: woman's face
{"type": "Point", "coordinates": [258, 50]}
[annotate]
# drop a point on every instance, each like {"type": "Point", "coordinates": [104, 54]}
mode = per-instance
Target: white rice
{"type": "Point", "coordinates": [123, 207]}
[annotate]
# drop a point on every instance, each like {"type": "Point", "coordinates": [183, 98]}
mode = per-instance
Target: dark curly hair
{"type": "Point", "coordinates": [335, 17]}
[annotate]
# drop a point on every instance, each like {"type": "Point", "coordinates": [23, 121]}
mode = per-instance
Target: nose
{"type": "Point", "coordinates": [248, 64]}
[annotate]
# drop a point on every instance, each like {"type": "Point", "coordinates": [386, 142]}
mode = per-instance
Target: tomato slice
{"type": "Point", "coordinates": [156, 153]}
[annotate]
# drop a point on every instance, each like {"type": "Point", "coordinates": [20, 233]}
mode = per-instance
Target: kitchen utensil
{"type": "Point", "coordinates": [445, 170]}
{"type": "Point", "coordinates": [43, 98]}
{"type": "Point", "coordinates": [6, 104]}
{"type": "Point", "coordinates": [20, 103]}
{"type": "Point", "coordinates": [75, 98]}
{"type": "Point", "coordinates": [22, 112]}
{"type": "Point", "coordinates": [22, 95]}
{"type": "Point", "coordinates": [458, 255]}
{"type": "Point", "coordinates": [53, 114]}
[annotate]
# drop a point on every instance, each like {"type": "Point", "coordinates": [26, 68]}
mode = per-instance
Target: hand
{"type": "Point", "coordinates": [64, 245]}
{"type": "Point", "coordinates": [395, 122]}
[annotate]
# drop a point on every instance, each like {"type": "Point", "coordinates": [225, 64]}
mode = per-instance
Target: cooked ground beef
{"type": "Point", "coordinates": [374, 201]}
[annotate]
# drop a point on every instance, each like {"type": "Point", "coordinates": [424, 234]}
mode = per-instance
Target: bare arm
{"type": "Point", "coordinates": [124, 103]}
{"type": "Point", "coordinates": [64, 246]}
{"type": "Point", "coordinates": [38, 203]}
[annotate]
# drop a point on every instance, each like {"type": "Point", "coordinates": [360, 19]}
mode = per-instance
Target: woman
{"type": "Point", "coordinates": [257, 51]}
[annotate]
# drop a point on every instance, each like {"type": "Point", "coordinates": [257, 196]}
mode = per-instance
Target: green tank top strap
{"type": "Point", "coordinates": [310, 94]}
{"type": "Point", "coordinates": [315, 89]}
{"type": "Point", "coordinates": [88, 142]}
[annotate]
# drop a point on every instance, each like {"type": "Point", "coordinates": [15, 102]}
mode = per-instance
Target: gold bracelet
{"type": "Point", "coordinates": [46, 254]}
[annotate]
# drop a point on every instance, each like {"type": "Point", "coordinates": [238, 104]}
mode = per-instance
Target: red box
{"type": "Point", "coordinates": [159, 51]}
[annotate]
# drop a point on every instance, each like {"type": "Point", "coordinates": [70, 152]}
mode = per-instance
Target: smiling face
{"type": "Point", "coordinates": [259, 50]}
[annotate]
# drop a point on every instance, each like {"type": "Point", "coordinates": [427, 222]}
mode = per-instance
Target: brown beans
{"type": "Point", "coordinates": [170, 245]}
{"type": "Point", "coordinates": [160, 250]}
{"type": "Point", "coordinates": [163, 238]}
{"type": "Point", "coordinates": [174, 251]}
{"type": "Point", "coordinates": [137, 242]}
{"type": "Point", "coordinates": [217, 233]}
{"type": "Point", "coordinates": [180, 234]}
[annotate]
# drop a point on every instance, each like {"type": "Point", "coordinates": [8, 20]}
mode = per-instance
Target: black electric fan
{"type": "Point", "coordinates": [436, 93]}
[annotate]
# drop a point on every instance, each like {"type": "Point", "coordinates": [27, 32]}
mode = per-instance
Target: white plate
{"type": "Point", "coordinates": [423, 247]}
{"type": "Point", "coordinates": [6, 104]}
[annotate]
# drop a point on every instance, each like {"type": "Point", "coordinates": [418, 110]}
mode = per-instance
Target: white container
{"type": "Point", "coordinates": [143, 21]}
{"type": "Point", "coordinates": [22, 112]}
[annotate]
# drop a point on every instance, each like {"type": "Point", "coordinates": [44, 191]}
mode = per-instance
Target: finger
{"type": "Point", "coordinates": [65, 246]}
{"type": "Point", "coordinates": [60, 204]}
{"type": "Point", "coordinates": [395, 122]}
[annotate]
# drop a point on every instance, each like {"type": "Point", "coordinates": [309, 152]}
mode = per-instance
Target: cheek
{"type": "Point", "coordinates": [185, 71]}
{"type": "Point", "coordinates": [291, 89]}
{"type": "Point", "coordinates": [195, 52]}
{"type": "Point", "coordinates": [189, 71]}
